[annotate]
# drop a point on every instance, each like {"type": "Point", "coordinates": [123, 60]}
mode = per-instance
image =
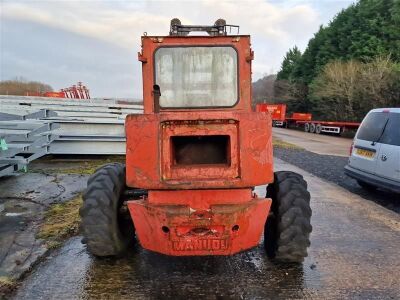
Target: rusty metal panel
{"type": "Point", "coordinates": [241, 44]}
{"type": "Point", "coordinates": [172, 171]}
{"type": "Point", "coordinates": [200, 200]}
{"type": "Point", "coordinates": [220, 229]}
{"type": "Point", "coordinates": [149, 156]}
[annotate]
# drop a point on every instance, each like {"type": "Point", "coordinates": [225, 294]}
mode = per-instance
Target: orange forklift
{"type": "Point", "coordinates": [194, 157]}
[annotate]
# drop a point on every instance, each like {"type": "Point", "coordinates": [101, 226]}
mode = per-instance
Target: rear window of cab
{"type": "Point", "coordinates": [381, 127]}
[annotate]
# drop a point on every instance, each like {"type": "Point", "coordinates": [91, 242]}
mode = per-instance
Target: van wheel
{"type": "Point", "coordinates": [288, 227]}
{"type": "Point", "coordinates": [107, 229]}
{"type": "Point", "coordinates": [366, 186]}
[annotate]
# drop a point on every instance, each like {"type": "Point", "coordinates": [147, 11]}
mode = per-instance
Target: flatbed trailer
{"type": "Point", "coordinates": [335, 127]}
{"type": "Point", "coordinates": [304, 120]}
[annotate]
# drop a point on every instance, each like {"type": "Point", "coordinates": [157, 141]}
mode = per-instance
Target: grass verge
{"type": "Point", "coordinates": [60, 222]}
{"type": "Point", "coordinates": [7, 284]}
{"type": "Point", "coordinates": [71, 166]}
{"type": "Point", "coordinates": [284, 145]}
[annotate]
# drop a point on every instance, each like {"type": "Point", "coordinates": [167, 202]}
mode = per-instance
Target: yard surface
{"type": "Point", "coordinates": [353, 254]}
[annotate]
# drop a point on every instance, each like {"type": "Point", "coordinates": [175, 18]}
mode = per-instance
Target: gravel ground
{"type": "Point", "coordinates": [330, 168]}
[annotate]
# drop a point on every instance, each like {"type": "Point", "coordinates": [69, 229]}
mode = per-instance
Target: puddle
{"type": "Point", "coordinates": [147, 275]}
{"type": "Point", "coordinates": [15, 214]}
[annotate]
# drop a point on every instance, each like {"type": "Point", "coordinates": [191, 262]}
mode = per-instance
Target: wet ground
{"type": "Point", "coordinates": [354, 254]}
{"type": "Point", "coordinates": [23, 201]}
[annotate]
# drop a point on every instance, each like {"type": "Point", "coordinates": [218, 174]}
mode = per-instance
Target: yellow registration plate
{"type": "Point", "coordinates": [366, 153]}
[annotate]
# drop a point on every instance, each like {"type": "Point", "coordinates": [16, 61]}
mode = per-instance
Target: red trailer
{"type": "Point", "coordinates": [277, 112]}
{"type": "Point", "coordinates": [297, 117]}
{"type": "Point", "coordinates": [304, 120]}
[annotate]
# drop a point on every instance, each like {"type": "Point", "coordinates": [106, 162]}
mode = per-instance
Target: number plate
{"type": "Point", "coordinates": [365, 153]}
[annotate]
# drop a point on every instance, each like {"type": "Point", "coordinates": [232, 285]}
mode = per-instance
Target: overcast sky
{"type": "Point", "coordinates": [96, 42]}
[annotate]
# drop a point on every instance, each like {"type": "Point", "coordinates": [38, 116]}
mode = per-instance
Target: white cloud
{"type": "Point", "coordinates": [274, 27]}
{"type": "Point", "coordinates": [124, 26]}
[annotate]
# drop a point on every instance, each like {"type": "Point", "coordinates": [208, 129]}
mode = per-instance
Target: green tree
{"type": "Point", "coordinates": [348, 90]}
{"type": "Point", "coordinates": [290, 60]}
{"type": "Point", "coordinates": [365, 33]}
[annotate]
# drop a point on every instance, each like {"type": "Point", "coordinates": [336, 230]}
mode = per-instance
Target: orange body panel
{"type": "Point", "coordinates": [148, 153]}
{"type": "Point", "coordinates": [197, 207]}
{"type": "Point", "coordinates": [201, 222]}
{"type": "Point", "coordinates": [240, 43]}
{"type": "Point", "coordinates": [277, 111]}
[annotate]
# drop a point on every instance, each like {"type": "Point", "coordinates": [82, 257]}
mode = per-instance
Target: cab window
{"type": "Point", "coordinates": [197, 76]}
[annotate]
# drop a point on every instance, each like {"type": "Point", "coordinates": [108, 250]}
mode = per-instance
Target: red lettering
{"type": "Point", "coordinates": [180, 246]}
{"type": "Point", "coordinates": [203, 244]}
{"type": "Point", "coordinates": [216, 244]}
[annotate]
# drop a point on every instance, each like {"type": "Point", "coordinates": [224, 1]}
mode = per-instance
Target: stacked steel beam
{"type": "Point", "coordinates": [84, 126]}
{"type": "Point", "coordinates": [23, 138]}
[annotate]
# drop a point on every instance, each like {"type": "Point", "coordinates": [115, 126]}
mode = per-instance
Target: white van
{"type": "Point", "coordinates": [375, 154]}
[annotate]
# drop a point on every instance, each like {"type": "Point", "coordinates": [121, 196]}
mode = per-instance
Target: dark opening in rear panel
{"type": "Point", "coordinates": [199, 150]}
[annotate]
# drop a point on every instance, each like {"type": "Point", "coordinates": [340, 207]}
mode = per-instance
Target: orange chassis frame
{"type": "Point", "coordinates": [198, 209]}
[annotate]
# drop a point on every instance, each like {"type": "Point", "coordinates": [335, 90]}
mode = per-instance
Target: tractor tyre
{"type": "Point", "coordinates": [288, 227]}
{"type": "Point", "coordinates": [107, 229]}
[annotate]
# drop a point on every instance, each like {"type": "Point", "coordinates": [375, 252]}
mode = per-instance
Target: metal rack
{"type": "Point", "coordinates": [219, 28]}
{"type": "Point", "coordinates": [31, 127]}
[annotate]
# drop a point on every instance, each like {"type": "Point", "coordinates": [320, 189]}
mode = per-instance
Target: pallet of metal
{"type": "Point", "coordinates": [88, 136]}
{"type": "Point", "coordinates": [24, 101]}
{"type": "Point", "coordinates": [22, 140]}
{"type": "Point", "coordinates": [85, 126]}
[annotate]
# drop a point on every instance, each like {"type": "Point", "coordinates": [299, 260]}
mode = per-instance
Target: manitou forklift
{"type": "Point", "coordinates": [194, 157]}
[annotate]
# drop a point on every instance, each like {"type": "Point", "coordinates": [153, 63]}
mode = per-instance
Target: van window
{"type": "Point", "coordinates": [391, 136]}
{"type": "Point", "coordinates": [372, 126]}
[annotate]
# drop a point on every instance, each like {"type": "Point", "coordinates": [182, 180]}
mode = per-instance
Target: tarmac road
{"type": "Point", "coordinates": [317, 143]}
{"type": "Point", "coordinates": [354, 254]}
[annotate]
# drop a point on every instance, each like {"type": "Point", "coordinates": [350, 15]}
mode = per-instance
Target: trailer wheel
{"type": "Point", "coordinates": [107, 229]}
{"type": "Point", "coordinates": [287, 230]}
{"type": "Point", "coordinates": [312, 128]}
{"type": "Point", "coordinates": [307, 127]}
{"type": "Point", "coordinates": [318, 129]}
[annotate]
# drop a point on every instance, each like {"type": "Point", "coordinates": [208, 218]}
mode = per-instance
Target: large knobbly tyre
{"type": "Point", "coordinates": [107, 231]}
{"type": "Point", "coordinates": [288, 227]}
